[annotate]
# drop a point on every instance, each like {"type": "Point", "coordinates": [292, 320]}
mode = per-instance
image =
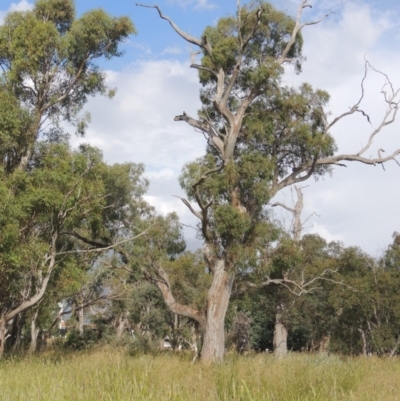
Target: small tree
{"type": "Point", "coordinates": [262, 137]}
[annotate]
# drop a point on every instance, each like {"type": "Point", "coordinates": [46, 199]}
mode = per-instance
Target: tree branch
{"type": "Point", "coordinates": [84, 239]}
{"type": "Point", "coordinates": [297, 28]}
{"type": "Point", "coordinates": [102, 249]}
{"type": "Point", "coordinates": [203, 43]}
{"type": "Point", "coordinates": [162, 281]}
{"type": "Point", "coordinates": [190, 207]}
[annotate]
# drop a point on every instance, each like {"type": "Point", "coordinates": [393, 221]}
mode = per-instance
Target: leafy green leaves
{"type": "Point", "coordinates": [48, 62]}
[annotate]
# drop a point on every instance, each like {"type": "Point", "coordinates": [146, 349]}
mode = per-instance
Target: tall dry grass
{"type": "Point", "coordinates": [110, 375]}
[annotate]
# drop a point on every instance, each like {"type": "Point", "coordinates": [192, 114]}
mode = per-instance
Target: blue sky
{"type": "Point", "coordinates": [155, 38]}
{"type": "Point", "coordinates": [358, 205]}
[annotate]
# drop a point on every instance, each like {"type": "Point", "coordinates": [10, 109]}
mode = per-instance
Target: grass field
{"type": "Point", "coordinates": [112, 375]}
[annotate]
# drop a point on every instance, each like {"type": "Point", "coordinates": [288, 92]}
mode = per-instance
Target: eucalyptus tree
{"type": "Point", "coordinates": [369, 318]}
{"type": "Point", "coordinates": [53, 199]}
{"type": "Point", "coordinates": [48, 62]}
{"type": "Point", "coordinates": [262, 137]}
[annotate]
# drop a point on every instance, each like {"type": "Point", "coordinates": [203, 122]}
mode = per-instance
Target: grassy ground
{"type": "Point", "coordinates": [110, 375]}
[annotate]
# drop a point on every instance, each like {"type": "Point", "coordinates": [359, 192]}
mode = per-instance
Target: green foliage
{"type": "Point", "coordinates": [259, 66]}
{"type": "Point", "coordinates": [63, 190]}
{"type": "Point", "coordinates": [372, 307]}
{"type": "Point", "coordinates": [189, 279]}
{"type": "Point", "coordinates": [231, 223]}
{"type": "Point", "coordinates": [288, 128]}
{"type": "Point", "coordinates": [56, 202]}
{"type": "Point", "coordinates": [149, 312]}
{"type": "Point", "coordinates": [75, 342]}
{"type": "Point", "coordinates": [48, 62]}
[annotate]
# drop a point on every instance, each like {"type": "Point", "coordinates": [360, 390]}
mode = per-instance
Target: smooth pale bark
{"type": "Point", "coordinates": [183, 310]}
{"type": "Point", "coordinates": [364, 341]}
{"type": "Point", "coordinates": [396, 347]}
{"type": "Point", "coordinates": [34, 335]}
{"type": "Point", "coordinates": [80, 321]}
{"type": "Point", "coordinates": [122, 325]}
{"type": "Point", "coordinates": [217, 304]}
{"type": "Point", "coordinates": [280, 335]}
{"type": "Point", "coordinates": [194, 344]}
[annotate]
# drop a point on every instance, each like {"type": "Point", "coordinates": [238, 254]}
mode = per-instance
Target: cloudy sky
{"type": "Point", "coordinates": [358, 205]}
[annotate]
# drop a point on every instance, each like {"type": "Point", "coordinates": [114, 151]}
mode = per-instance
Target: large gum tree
{"type": "Point", "coordinates": [262, 137]}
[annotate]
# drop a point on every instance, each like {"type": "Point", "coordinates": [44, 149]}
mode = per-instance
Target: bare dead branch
{"type": "Point", "coordinates": [388, 118]}
{"type": "Point", "coordinates": [207, 128]}
{"type": "Point", "coordinates": [289, 209]}
{"type": "Point", "coordinates": [355, 107]}
{"type": "Point", "coordinates": [202, 68]}
{"type": "Point", "coordinates": [203, 43]}
{"type": "Point", "coordinates": [334, 160]}
{"type": "Point", "coordinates": [190, 207]}
{"type": "Point", "coordinates": [297, 28]}
{"type": "Point", "coordinates": [317, 21]}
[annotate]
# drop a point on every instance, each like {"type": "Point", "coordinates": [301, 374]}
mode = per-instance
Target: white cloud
{"type": "Point", "coordinates": [162, 194]}
{"type": "Point", "coordinates": [358, 204]}
{"type": "Point", "coordinates": [204, 4]}
{"type": "Point", "coordinates": [335, 48]}
{"type": "Point", "coordinates": [324, 233]}
{"type": "Point", "coordinates": [174, 50]}
{"type": "Point", "coordinates": [137, 125]}
{"type": "Point", "coordinates": [165, 173]}
{"type": "Point", "coordinates": [141, 116]}
{"type": "Point", "coordinates": [198, 4]}
{"type": "Point", "coordinates": [23, 5]}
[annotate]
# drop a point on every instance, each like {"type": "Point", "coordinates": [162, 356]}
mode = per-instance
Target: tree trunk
{"type": "Point", "coordinates": [80, 321]}
{"type": "Point", "coordinates": [364, 341]}
{"type": "Point", "coordinates": [396, 347]}
{"type": "Point", "coordinates": [194, 344]}
{"type": "Point", "coordinates": [217, 304]}
{"type": "Point", "coordinates": [123, 322]}
{"type": "Point", "coordinates": [16, 331]}
{"type": "Point", "coordinates": [34, 334]}
{"type": "Point", "coordinates": [280, 335]}
{"type": "Point", "coordinates": [3, 333]}
{"type": "Point", "coordinates": [324, 344]}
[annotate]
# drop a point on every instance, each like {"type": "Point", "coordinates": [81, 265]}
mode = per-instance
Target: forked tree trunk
{"type": "Point", "coordinates": [217, 304]}
{"type": "Point", "coordinates": [280, 335]}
